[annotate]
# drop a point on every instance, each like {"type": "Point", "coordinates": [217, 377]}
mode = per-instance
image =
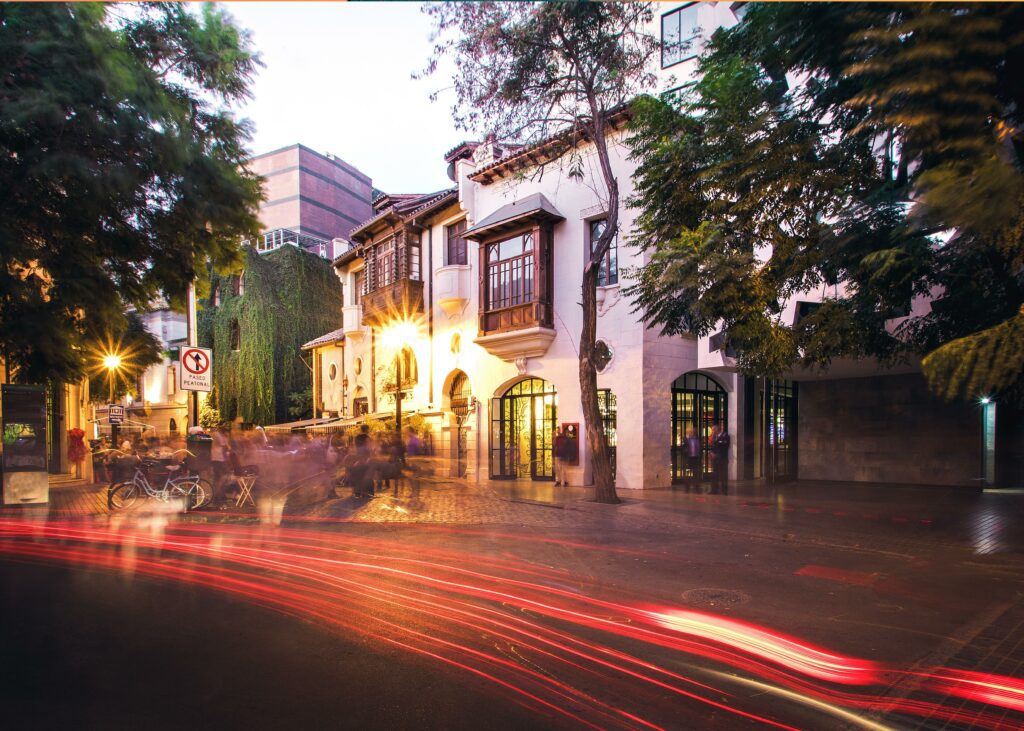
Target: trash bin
{"type": "Point", "coordinates": [201, 445]}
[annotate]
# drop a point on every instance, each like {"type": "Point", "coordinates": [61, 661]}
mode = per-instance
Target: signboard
{"type": "Point", "coordinates": [196, 369]}
{"type": "Point", "coordinates": [115, 413]}
{"type": "Point", "coordinates": [25, 478]}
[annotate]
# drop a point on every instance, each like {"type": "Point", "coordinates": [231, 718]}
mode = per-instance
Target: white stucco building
{"type": "Point", "coordinates": [475, 290]}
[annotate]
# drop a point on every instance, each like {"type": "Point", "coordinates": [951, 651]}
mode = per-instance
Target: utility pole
{"type": "Point", "coordinates": [193, 341]}
{"type": "Point", "coordinates": [113, 427]}
{"type": "Point", "coordinates": [398, 405]}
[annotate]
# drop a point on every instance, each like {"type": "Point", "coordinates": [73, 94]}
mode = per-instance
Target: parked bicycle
{"type": "Point", "coordinates": [180, 483]}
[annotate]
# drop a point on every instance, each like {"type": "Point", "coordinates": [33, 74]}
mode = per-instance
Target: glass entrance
{"type": "Point", "coordinates": [779, 430]}
{"type": "Point", "coordinates": [699, 404]}
{"type": "Point", "coordinates": [522, 430]}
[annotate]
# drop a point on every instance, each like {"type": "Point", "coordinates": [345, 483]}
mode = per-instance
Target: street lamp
{"type": "Point", "coordinates": [112, 362]}
{"type": "Point", "coordinates": [395, 336]}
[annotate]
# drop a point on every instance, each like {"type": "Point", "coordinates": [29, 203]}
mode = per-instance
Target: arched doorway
{"type": "Point", "coordinates": [459, 396]}
{"type": "Point", "coordinates": [698, 403]}
{"type": "Point", "coordinates": [522, 430]}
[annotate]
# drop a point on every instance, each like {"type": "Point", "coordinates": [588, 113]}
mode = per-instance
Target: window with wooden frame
{"type": "Point", "coordinates": [358, 285]}
{"type": "Point", "coordinates": [608, 274]}
{"type": "Point", "coordinates": [510, 272]}
{"type": "Point", "coordinates": [455, 248]}
{"type": "Point", "coordinates": [516, 280]}
{"type": "Point", "coordinates": [384, 256]}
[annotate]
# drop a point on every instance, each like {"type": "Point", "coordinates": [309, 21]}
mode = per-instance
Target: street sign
{"type": "Point", "coordinates": [115, 413]}
{"type": "Point", "coordinates": [196, 369]}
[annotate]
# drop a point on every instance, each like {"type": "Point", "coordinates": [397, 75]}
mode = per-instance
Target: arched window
{"type": "Point", "coordinates": [173, 427]}
{"type": "Point", "coordinates": [409, 375]}
{"type": "Point", "coordinates": [459, 395]}
{"type": "Point", "coordinates": [236, 336]}
{"type": "Point", "coordinates": [215, 295]}
{"type": "Point", "coordinates": [522, 431]}
{"type": "Point", "coordinates": [699, 404]}
{"type": "Point", "coordinates": [238, 285]}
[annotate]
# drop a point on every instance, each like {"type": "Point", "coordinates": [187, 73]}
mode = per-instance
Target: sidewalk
{"type": "Point", "coordinates": [894, 519]}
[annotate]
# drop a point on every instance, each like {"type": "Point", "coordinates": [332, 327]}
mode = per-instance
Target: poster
{"type": "Point", "coordinates": [24, 461]}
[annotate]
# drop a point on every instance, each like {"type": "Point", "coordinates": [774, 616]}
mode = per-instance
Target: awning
{"type": "Point", "coordinates": [299, 425]}
{"type": "Point", "coordinates": [531, 208]}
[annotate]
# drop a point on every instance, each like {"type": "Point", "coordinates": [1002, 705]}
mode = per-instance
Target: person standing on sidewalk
{"type": "Point", "coordinates": [559, 448]}
{"type": "Point", "coordinates": [693, 460]}
{"type": "Point", "coordinates": [720, 443]}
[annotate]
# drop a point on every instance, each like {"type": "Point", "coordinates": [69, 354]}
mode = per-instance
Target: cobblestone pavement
{"type": "Point", "coordinates": [898, 520]}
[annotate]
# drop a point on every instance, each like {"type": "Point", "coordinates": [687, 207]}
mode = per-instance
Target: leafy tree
{"type": "Point", "coordinates": [890, 174]}
{"type": "Point", "coordinates": [209, 417]}
{"type": "Point", "coordinates": [257, 336]}
{"type": "Point", "coordinates": [527, 70]}
{"type": "Point", "coordinates": [301, 403]}
{"type": "Point", "coordinates": [138, 350]}
{"type": "Point", "coordinates": [123, 173]}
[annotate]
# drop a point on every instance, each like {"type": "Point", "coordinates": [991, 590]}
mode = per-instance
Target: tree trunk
{"type": "Point", "coordinates": [597, 445]}
{"type": "Point", "coordinates": [604, 483]}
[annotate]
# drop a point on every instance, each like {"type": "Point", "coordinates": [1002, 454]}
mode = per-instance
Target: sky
{"type": "Point", "coordinates": [337, 79]}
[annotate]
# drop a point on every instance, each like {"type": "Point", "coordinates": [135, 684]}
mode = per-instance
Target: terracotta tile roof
{"type": "Point", "coordinates": [549, 148]}
{"type": "Point", "coordinates": [332, 337]}
{"type": "Point", "coordinates": [405, 205]}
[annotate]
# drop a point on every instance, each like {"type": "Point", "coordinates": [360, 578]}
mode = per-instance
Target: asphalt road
{"type": "Point", "coordinates": [608, 623]}
{"type": "Point", "coordinates": [93, 650]}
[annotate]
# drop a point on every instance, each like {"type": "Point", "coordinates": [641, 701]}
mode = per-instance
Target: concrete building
{"type": "Point", "coordinates": [311, 200]}
{"type": "Point", "coordinates": [160, 407]}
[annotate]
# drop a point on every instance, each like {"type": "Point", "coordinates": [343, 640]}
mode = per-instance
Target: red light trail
{"type": "Point", "coordinates": [574, 653]}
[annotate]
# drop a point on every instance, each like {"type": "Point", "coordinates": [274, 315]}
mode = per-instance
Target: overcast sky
{"type": "Point", "coordinates": [337, 79]}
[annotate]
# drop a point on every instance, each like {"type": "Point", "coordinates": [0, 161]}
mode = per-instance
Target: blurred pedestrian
{"type": "Point", "coordinates": [359, 463]}
{"type": "Point", "coordinates": [720, 443]}
{"type": "Point", "coordinates": [414, 452]}
{"type": "Point", "coordinates": [693, 460]}
{"type": "Point", "coordinates": [560, 447]}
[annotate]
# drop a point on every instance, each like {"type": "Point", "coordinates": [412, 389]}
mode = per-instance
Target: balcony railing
{"type": "Point", "coordinates": [396, 301]}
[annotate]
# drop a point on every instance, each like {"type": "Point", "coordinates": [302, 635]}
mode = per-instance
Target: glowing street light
{"type": "Point", "coordinates": [396, 335]}
{"type": "Point", "coordinates": [112, 362]}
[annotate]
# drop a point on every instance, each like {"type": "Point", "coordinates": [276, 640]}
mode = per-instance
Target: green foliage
{"type": "Point", "coordinates": [209, 417]}
{"type": "Point", "coordinates": [290, 297]}
{"type": "Point", "coordinates": [891, 174]}
{"type": "Point", "coordinates": [121, 169]}
{"type": "Point", "coordinates": [301, 403]}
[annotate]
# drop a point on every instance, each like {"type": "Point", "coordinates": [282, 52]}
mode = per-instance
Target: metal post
{"type": "Point", "coordinates": [190, 304]}
{"type": "Point", "coordinates": [398, 403]}
{"type": "Point", "coordinates": [113, 427]}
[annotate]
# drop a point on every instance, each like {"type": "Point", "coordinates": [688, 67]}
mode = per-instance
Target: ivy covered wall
{"type": "Point", "coordinates": [289, 297]}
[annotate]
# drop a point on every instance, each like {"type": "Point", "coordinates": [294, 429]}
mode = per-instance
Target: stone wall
{"type": "Point", "coordinates": [886, 429]}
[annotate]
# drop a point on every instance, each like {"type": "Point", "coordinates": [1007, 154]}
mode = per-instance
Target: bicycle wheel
{"type": "Point", "coordinates": [193, 490]}
{"type": "Point", "coordinates": [123, 495]}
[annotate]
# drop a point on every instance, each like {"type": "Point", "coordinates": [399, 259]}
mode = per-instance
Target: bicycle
{"type": "Point", "coordinates": [195, 490]}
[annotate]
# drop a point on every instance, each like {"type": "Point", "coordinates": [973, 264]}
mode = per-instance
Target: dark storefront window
{"type": "Point", "coordinates": [606, 404]}
{"type": "Point", "coordinates": [698, 403]}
